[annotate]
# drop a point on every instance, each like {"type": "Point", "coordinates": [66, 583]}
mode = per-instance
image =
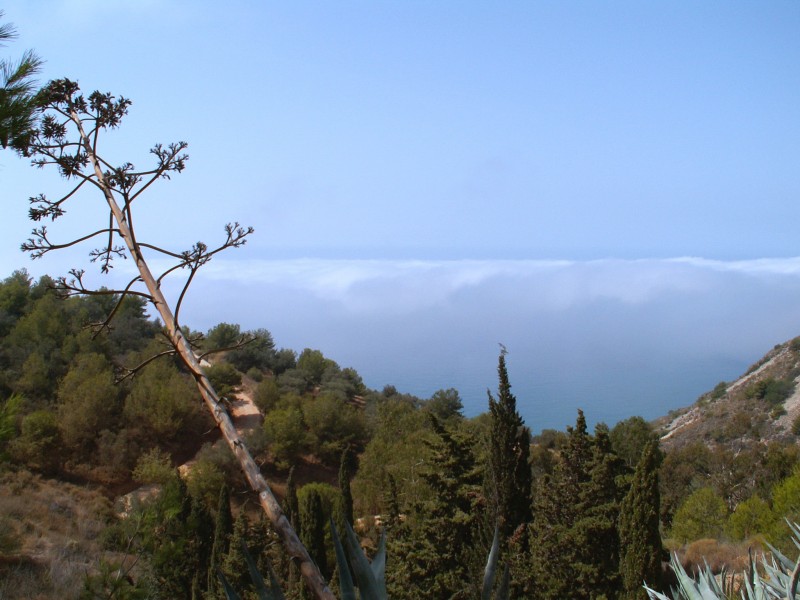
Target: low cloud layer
{"type": "Point", "coordinates": [614, 337]}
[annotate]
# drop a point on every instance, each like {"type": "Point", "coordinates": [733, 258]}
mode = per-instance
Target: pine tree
{"type": "Point", "coordinates": [509, 453]}
{"type": "Point", "coordinates": [640, 540]}
{"type": "Point", "coordinates": [17, 95]}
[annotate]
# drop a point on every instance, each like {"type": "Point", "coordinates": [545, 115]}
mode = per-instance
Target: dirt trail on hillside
{"type": "Point", "coordinates": [244, 414]}
{"type": "Point", "coordinates": [245, 417]}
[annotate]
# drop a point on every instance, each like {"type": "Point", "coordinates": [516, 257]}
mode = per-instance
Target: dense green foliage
{"type": "Point", "coordinates": [639, 535]}
{"type": "Point", "coordinates": [509, 481]}
{"type": "Point", "coordinates": [583, 513]}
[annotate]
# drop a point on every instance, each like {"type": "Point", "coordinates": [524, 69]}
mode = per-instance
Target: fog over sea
{"type": "Point", "coordinates": [613, 337]}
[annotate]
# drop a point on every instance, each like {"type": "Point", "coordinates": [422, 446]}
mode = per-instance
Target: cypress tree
{"type": "Point", "coordinates": [509, 453]}
{"type": "Point", "coordinates": [312, 529]}
{"type": "Point", "coordinates": [291, 509]}
{"type": "Point", "coordinates": [200, 526]}
{"type": "Point", "coordinates": [222, 533]}
{"type": "Point", "coordinates": [640, 540]}
{"type": "Point", "coordinates": [346, 472]}
{"type": "Point", "coordinates": [234, 564]}
{"type": "Point", "coordinates": [595, 531]}
{"type": "Point", "coordinates": [290, 505]}
{"type": "Point", "coordinates": [574, 542]}
{"type": "Point", "coordinates": [433, 552]}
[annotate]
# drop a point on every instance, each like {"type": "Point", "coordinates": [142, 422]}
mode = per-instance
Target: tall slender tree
{"type": "Point", "coordinates": [509, 452]}
{"type": "Point", "coordinates": [640, 539]}
{"type": "Point", "coordinates": [223, 529]}
{"type": "Point", "coordinates": [434, 550]}
{"type": "Point", "coordinates": [574, 544]}
{"type": "Point", "coordinates": [66, 134]}
{"type": "Point", "coordinates": [346, 472]}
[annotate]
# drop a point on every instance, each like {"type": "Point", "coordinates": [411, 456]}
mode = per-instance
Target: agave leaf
{"type": "Point", "coordinates": [368, 586]}
{"type": "Point", "coordinates": [345, 580]}
{"type": "Point", "coordinates": [654, 595]}
{"type": "Point", "coordinates": [491, 566]}
{"type": "Point", "coordinates": [379, 563]}
{"type": "Point", "coordinates": [791, 588]}
{"type": "Point", "coordinates": [230, 593]}
{"type": "Point", "coordinates": [502, 591]}
{"type": "Point", "coordinates": [274, 591]}
{"type": "Point", "coordinates": [784, 564]}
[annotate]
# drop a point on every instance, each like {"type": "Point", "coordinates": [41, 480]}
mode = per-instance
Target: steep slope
{"type": "Point", "coordinates": [760, 406]}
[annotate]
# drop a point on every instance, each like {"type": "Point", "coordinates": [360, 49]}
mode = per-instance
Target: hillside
{"type": "Point", "coordinates": [762, 405]}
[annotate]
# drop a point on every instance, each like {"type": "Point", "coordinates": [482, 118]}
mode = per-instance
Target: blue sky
{"type": "Point", "coordinates": [396, 156]}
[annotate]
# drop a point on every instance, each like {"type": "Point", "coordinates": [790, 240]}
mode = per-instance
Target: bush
{"type": "Point", "coordinates": [154, 467]}
{"type": "Point", "coordinates": [255, 374]}
{"type": "Point", "coordinates": [702, 515]}
{"type": "Point", "coordinates": [39, 445]}
{"type": "Point", "coordinates": [772, 391]}
{"type": "Point", "coordinates": [287, 435]}
{"type": "Point", "coordinates": [752, 517]}
{"type": "Point", "coordinates": [267, 395]}
{"type": "Point", "coordinates": [334, 425]}
{"type": "Point", "coordinates": [224, 377]}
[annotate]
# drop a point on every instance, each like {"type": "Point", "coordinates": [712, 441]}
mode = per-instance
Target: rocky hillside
{"type": "Point", "coordinates": [760, 406]}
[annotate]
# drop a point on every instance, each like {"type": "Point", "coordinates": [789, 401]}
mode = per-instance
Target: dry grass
{"type": "Point", "coordinates": [54, 528]}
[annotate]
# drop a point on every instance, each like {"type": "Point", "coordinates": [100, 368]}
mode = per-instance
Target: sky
{"type": "Point", "coordinates": [607, 188]}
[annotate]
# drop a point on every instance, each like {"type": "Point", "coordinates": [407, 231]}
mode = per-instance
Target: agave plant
{"type": "Point", "coordinates": [780, 580]}
{"type": "Point", "coordinates": [264, 591]}
{"type": "Point", "coordinates": [370, 577]}
{"type": "Point", "coordinates": [490, 572]}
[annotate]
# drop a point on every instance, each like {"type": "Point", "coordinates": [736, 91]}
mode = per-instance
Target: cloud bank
{"type": "Point", "coordinates": [614, 337]}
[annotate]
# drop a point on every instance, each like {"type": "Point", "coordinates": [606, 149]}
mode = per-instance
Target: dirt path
{"type": "Point", "coordinates": [245, 416]}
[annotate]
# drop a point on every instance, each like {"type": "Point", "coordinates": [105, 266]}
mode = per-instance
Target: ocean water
{"type": "Point", "coordinates": [614, 338]}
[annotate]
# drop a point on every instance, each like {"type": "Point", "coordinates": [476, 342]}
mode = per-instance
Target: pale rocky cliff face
{"type": "Point", "coordinates": [734, 415]}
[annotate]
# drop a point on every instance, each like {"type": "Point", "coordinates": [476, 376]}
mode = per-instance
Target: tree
{"type": "Point", "coordinates": [347, 468]}
{"type": "Point", "coordinates": [630, 437]}
{"type": "Point", "coordinates": [574, 538]}
{"type": "Point", "coordinates": [509, 452]}
{"type": "Point", "coordinates": [702, 515]}
{"type": "Point", "coordinates": [17, 95]}
{"type": "Point", "coordinates": [445, 404]}
{"type": "Point", "coordinates": [640, 539]}
{"type": "Point", "coordinates": [223, 529]}
{"type": "Point", "coordinates": [66, 135]}
{"type": "Point", "coordinates": [435, 548]}
{"type": "Point", "coordinates": [88, 401]}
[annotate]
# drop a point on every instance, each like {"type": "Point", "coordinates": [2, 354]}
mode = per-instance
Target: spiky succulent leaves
{"type": "Point", "coordinates": [371, 586]}
{"type": "Point", "coordinates": [264, 593]}
{"type": "Point", "coordinates": [503, 590]}
{"type": "Point", "coordinates": [491, 566]}
{"type": "Point", "coordinates": [230, 593]}
{"type": "Point", "coordinates": [345, 580]}
{"type": "Point", "coordinates": [378, 564]}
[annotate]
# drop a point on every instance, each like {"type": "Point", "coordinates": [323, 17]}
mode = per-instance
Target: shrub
{"type": "Point", "coordinates": [154, 467]}
{"type": "Point", "coordinates": [702, 515]}
{"type": "Point", "coordinates": [772, 391]}
{"type": "Point", "coordinates": [224, 377]}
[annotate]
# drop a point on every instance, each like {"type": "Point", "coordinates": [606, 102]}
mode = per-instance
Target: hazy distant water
{"type": "Point", "coordinates": [615, 338]}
